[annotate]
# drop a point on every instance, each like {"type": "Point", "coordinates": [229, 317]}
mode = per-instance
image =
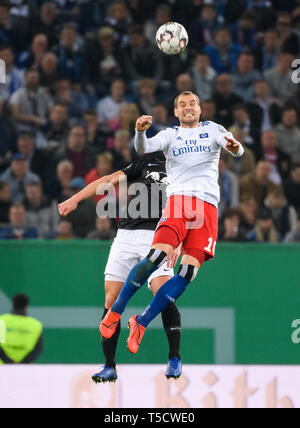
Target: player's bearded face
{"type": "Point", "coordinates": [188, 110]}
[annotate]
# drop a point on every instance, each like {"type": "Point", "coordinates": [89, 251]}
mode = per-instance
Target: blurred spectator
{"type": "Point", "coordinates": [55, 131]}
{"type": "Point", "coordinates": [104, 167]}
{"type": "Point", "coordinates": [230, 230]}
{"type": "Point", "coordinates": [244, 31]}
{"type": "Point", "coordinates": [46, 22]}
{"type": "Point", "coordinates": [294, 236]}
{"type": "Point", "coordinates": [246, 163]}
{"type": "Point", "coordinates": [223, 54]}
{"type": "Point", "coordinates": [77, 151]}
{"type": "Point", "coordinates": [280, 80]}
{"type": "Point", "coordinates": [288, 134]}
{"type": "Point", "coordinates": [267, 52]}
{"type": "Point", "coordinates": [204, 76]}
{"type": "Point", "coordinates": [69, 53]}
{"type": "Point", "coordinates": [264, 229]}
{"type": "Point", "coordinates": [24, 334]}
{"type": "Point", "coordinates": [265, 109]}
{"type": "Point", "coordinates": [289, 38]}
{"type": "Point", "coordinates": [123, 153]}
{"type": "Point", "coordinates": [242, 120]}
{"type": "Point", "coordinates": [18, 176]}
{"type": "Point", "coordinates": [208, 110]}
{"type": "Point", "coordinates": [40, 212]}
{"type": "Point", "coordinates": [225, 100]}
{"type": "Point", "coordinates": [146, 96]}
{"type": "Point", "coordinates": [75, 100]}
{"type": "Point", "coordinates": [266, 16]}
{"type": "Point", "coordinates": [119, 19]}
{"type": "Point", "coordinates": [203, 29]}
{"type": "Point", "coordinates": [96, 136]}
{"type": "Point", "coordinates": [248, 211]}
{"type": "Point", "coordinates": [93, 14]}
{"type": "Point", "coordinates": [233, 10]}
{"type": "Point", "coordinates": [292, 187]}
{"type": "Point", "coordinates": [102, 61]}
{"type": "Point", "coordinates": [14, 77]}
{"type": "Point", "coordinates": [8, 137]}
{"type": "Point", "coordinates": [109, 108]}
{"type": "Point", "coordinates": [280, 162]}
{"type": "Point", "coordinates": [30, 104]}
{"type": "Point", "coordinates": [5, 201]}
{"type": "Point", "coordinates": [140, 58]}
{"type": "Point", "coordinates": [36, 158]}
{"type": "Point", "coordinates": [33, 57]}
{"type": "Point", "coordinates": [284, 215]}
{"type": "Point", "coordinates": [49, 71]}
{"type": "Point", "coordinates": [62, 231]}
{"type": "Point", "coordinates": [160, 119]}
{"type": "Point", "coordinates": [103, 230]}
{"type": "Point", "coordinates": [6, 31]}
{"type": "Point", "coordinates": [128, 117]}
{"type": "Point", "coordinates": [17, 228]}
{"type": "Point", "coordinates": [83, 219]}
{"type": "Point", "coordinates": [257, 183]}
{"type": "Point", "coordinates": [139, 10]}
{"type": "Point", "coordinates": [58, 188]}
{"type": "Point", "coordinates": [229, 189]}
{"type": "Point", "coordinates": [163, 15]}
{"type": "Point", "coordinates": [245, 76]}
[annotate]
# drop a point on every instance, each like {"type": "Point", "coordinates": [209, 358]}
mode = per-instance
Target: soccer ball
{"type": "Point", "coordinates": [172, 38]}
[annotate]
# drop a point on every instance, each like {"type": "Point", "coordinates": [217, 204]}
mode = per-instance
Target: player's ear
{"type": "Point", "coordinates": [175, 112]}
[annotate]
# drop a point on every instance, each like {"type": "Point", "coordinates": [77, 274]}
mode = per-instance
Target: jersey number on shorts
{"type": "Point", "coordinates": [211, 246]}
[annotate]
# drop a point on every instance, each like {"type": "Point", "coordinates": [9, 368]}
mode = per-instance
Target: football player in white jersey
{"type": "Point", "coordinates": [192, 154]}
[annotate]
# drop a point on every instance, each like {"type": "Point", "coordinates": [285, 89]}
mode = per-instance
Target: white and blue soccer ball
{"type": "Point", "coordinates": [172, 38]}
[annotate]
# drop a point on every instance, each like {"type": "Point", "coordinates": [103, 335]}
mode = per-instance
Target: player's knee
{"type": "Point", "coordinates": [189, 272]}
{"type": "Point", "coordinates": [157, 257]}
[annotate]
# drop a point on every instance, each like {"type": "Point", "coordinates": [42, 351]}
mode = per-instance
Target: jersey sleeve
{"type": "Point", "coordinates": [149, 145]}
{"type": "Point", "coordinates": [220, 135]}
{"type": "Point", "coordinates": [134, 171]}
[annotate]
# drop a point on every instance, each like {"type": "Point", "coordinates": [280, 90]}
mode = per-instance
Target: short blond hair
{"type": "Point", "coordinates": [185, 93]}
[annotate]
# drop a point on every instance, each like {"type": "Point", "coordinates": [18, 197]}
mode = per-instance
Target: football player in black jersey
{"type": "Point", "coordinates": [134, 237]}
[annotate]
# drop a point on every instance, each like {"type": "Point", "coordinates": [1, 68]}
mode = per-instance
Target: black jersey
{"type": "Point", "coordinates": [151, 171]}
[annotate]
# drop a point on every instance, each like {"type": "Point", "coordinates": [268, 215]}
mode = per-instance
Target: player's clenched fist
{"type": "Point", "coordinates": [143, 123]}
{"type": "Point", "coordinates": [67, 207]}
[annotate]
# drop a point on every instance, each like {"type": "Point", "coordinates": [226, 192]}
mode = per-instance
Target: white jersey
{"type": "Point", "coordinates": [192, 158]}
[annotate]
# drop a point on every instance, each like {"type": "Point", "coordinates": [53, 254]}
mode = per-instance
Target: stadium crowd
{"type": "Point", "coordinates": [79, 73]}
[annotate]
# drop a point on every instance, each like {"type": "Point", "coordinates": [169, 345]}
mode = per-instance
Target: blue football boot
{"type": "Point", "coordinates": [174, 369]}
{"type": "Point", "coordinates": [107, 374]}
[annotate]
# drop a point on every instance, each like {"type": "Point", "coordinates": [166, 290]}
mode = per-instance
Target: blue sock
{"type": "Point", "coordinates": [167, 294]}
{"type": "Point", "coordinates": [136, 278]}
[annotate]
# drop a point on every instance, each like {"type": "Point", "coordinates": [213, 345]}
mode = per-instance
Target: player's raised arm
{"type": "Point", "coordinates": [141, 142]}
{"type": "Point", "coordinates": [66, 207]}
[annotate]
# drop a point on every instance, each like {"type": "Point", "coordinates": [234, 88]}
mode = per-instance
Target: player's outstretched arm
{"type": "Point", "coordinates": [141, 142]}
{"type": "Point", "coordinates": [66, 207]}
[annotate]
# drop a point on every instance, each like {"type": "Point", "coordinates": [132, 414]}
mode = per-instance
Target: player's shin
{"type": "Point", "coordinates": [172, 324]}
{"type": "Point", "coordinates": [137, 277]}
{"type": "Point", "coordinates": [109, 346]}
{"type": "Point", "coordinates": [168, 293]}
